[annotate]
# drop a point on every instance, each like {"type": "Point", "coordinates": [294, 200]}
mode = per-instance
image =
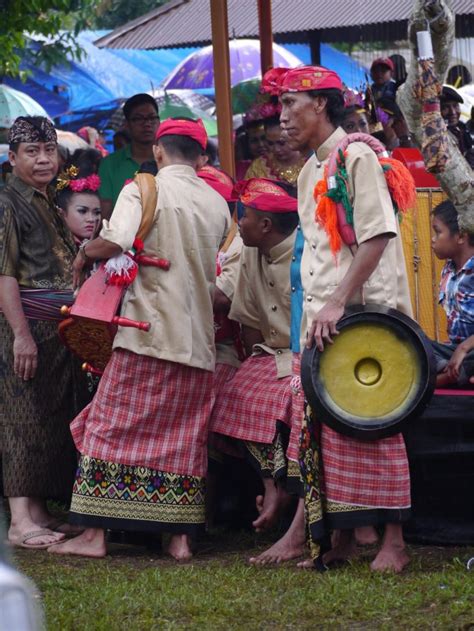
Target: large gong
{"type": "Point", "coordinates": [377, 375]}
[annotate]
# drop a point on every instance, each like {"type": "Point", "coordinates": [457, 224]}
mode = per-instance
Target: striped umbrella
{"type": "Point", "coordinates": [14, 103]}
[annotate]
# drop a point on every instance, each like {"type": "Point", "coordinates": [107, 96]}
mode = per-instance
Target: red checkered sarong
{"type": "Point", "coordinates": [372, 474]}
{"type": "Point", "coordinates": [297, 409]}
{"type": "Point", "coordinates": [249, 406]}
{"type": "Point", "coordinates": [222, 374]}
{"type": "Point", "coordinates": [148, 412]}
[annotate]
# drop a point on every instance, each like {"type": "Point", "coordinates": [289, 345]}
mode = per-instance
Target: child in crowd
{"type": "Point", "coordinates": [79, 201]}
{"type": "Point", "coordinates": [455, 361]}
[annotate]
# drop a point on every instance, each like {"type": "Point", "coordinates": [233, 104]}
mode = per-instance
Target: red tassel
{"type": "Point", "coordinates": [400, 183]}
{"type": "Point", "coordinates": [123, 280]}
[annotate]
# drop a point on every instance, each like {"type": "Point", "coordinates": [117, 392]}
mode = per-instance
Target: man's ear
{"type": "Point", "coordinates": [266, 225]}
{"type": "Point", "coordinates": [158, 153]}
{"type": "Point", "coordinates": [319, 104]}
{"type": "Point", "coordinates": [12, 157]}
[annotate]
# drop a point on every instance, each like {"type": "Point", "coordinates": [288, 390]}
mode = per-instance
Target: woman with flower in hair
{"type": "Point", "coordinates": [78, 199]}
{"type": "Point", "coordinates": [280, 162]}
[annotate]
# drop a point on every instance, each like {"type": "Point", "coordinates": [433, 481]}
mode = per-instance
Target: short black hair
{"type": "Point", "coordinates": [182, 147]}
{"type": "Point", "coordinates": [271, 121]}
{"type": "Point", "coordinates": [13, 146]}
{"type": "Point", "coordinates": [86, 160]}
{"type": "Point", "coordinates": [135, 101]}
{"type": "Point", "coordinates": [284, 223]}
{"type": "Point", "coordinates": [334, 104]}
{"type": "Point", "coordinates": [447, 213]}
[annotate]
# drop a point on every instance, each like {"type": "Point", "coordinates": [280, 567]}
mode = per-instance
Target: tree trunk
{"type": "Point", "coordinates": [457, 178]}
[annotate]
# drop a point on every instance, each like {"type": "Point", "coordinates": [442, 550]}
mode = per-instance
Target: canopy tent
{"type": "Point", "coordinates": [85, 92]}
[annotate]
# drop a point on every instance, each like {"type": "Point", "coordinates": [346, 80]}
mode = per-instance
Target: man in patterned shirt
{"type": "Point", "coordinates": [455, 361]}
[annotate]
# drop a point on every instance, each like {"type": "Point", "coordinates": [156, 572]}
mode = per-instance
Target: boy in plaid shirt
{"type": "Point", "coordinates": [455, 361]}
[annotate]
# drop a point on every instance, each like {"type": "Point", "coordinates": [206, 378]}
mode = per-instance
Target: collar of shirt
{"type": "Point", "coordinates": [323, 152]}
{"type": "Point", "coordinates": [27, 191]}
{"type": "Point", "coordinates": [178, 169]}
{"type": "Point", "coordinates": [281, 249]}
{"type": "Point", "coordinates": [450, 267]}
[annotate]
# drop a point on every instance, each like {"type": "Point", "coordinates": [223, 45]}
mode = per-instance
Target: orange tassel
{"type": "Point", "coordinates": [325, 214]}
{"type": "Point", "coordinates": [400, 183]}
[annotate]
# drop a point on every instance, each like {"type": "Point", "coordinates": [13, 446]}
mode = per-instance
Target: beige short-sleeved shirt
{"type": "Point", "coordinates": [321, 272]}
{"type": "Point", "coordinates": [226, 353]}
{"type": "Point", "coordinates": [262, 299]}
{"type": "Point", "coordinates": [191, 220]}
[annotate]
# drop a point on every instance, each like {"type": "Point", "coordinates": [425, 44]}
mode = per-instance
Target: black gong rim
{"type": "Point", "coordinates": [360, 429]}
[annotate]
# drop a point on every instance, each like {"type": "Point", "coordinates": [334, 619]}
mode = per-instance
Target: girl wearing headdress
{"type": "Point", "coordinates": [78, 198]}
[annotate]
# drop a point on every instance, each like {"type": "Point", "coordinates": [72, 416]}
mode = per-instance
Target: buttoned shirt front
{"type": "Point", "coordinates": [321, 270]}
{"type": "Point", "coordinates": [456, 294]}
{"type": "Point", "coordinates": [191, 220]}
{"type": "Point", "coordinates": [36, 246]}
{"type": "Point", "coordinates": [262, 299]}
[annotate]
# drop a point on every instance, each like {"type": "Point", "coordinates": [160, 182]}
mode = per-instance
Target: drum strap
{"type": "Point", "coordinates": [148, 188]}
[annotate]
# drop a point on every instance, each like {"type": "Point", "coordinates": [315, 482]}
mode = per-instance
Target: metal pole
{"type": "Point", "coordinates": [220, 46]}
{"type": "Point", "coordinates": [266, 34]}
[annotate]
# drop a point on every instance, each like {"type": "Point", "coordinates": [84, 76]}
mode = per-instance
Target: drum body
{"type": "Point", "coordinates": [377, 375]}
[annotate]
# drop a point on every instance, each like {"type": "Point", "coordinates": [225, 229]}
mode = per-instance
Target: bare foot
{"type": "Point", "coordinates": [390, 559]}
{"type": "Point", "coordinates": [269, 505]}
{"type": "Point", "coordinates": [180, 547]}
{"type": "Point", "coordinates": [90, 544]}
{"type": "Point", "coordinates": [366, 536]}
{"type": "Point", "coordinates": [344, 549]}
{"type": "Point", "coordinates": [307, 564]}
{"type": "Point", "coordinates": [290, 546]}
{"type": "Point", "coordinates": [392, 556]}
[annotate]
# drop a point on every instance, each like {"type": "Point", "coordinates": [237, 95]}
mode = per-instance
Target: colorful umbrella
{"type": "Point", "coordinates": [14, 103]}
{"type": "Point", "coordinates": [197, 70]}
{"type": "Point", "coordinates": [171, 106]}
{"type": "Point", "coordinates": [244, 95]}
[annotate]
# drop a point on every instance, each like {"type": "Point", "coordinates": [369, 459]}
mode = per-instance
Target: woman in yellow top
{"type": "Point", "coordinates": [280, 162]}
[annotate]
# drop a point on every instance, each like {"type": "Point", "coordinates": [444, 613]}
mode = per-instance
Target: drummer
{"type": "Point", "coordinates": [365, 484]}
{"type": "Point", "coordinates": [142, 441]}
{"type": "Point", "coordinates": [255, 405]}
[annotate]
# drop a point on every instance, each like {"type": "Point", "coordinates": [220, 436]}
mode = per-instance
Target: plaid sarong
{"type": "Point", "coordinates": [372, 474]}
{"type": "Point", "coordinates": [249, 405]}
{"type": "Point", "coordinates": [148, 412]}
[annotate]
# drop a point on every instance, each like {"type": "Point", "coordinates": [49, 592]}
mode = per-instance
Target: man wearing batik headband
{"type": "Point", "coordinates": [37, 388]}
{"type": "Point", "coordinates": [142, 441]}
{"type": "Point", "coordinates": [312, 109]}
{"type": "Point", "coordinates": [254, 407]}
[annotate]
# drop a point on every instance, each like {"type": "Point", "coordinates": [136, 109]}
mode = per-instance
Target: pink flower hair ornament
{"type": "Point", "coordinates": [68, 178]}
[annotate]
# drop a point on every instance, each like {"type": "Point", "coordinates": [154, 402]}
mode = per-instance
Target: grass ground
{"type": "Point", "coordinates": [134, 590]}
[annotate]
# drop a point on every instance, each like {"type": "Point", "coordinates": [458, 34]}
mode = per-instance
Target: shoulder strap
{"type": "Point", "coordinates": [148, 188]}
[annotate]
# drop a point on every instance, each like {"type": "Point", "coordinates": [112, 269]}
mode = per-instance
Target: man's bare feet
{"type": "Point", "coordinates": [392, 556]}
{"type": "Point", "coordinates": [180, 547]}
{"type": "Point", "coordinates": [267, 506]}
{"type": "Point", "coordinates": [343, 550]}
{"type": "Point", "coordinates": [290, 546]}
{"type": "Point", "coordinates": [390, 559]}
{"type": "Point", "coordinates": [90, 544]}
{"type": "Point", "coordinates": [366, 536]}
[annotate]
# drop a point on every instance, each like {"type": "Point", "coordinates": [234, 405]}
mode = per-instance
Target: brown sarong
{"type": "Point", "coordinates": [38, 454]}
